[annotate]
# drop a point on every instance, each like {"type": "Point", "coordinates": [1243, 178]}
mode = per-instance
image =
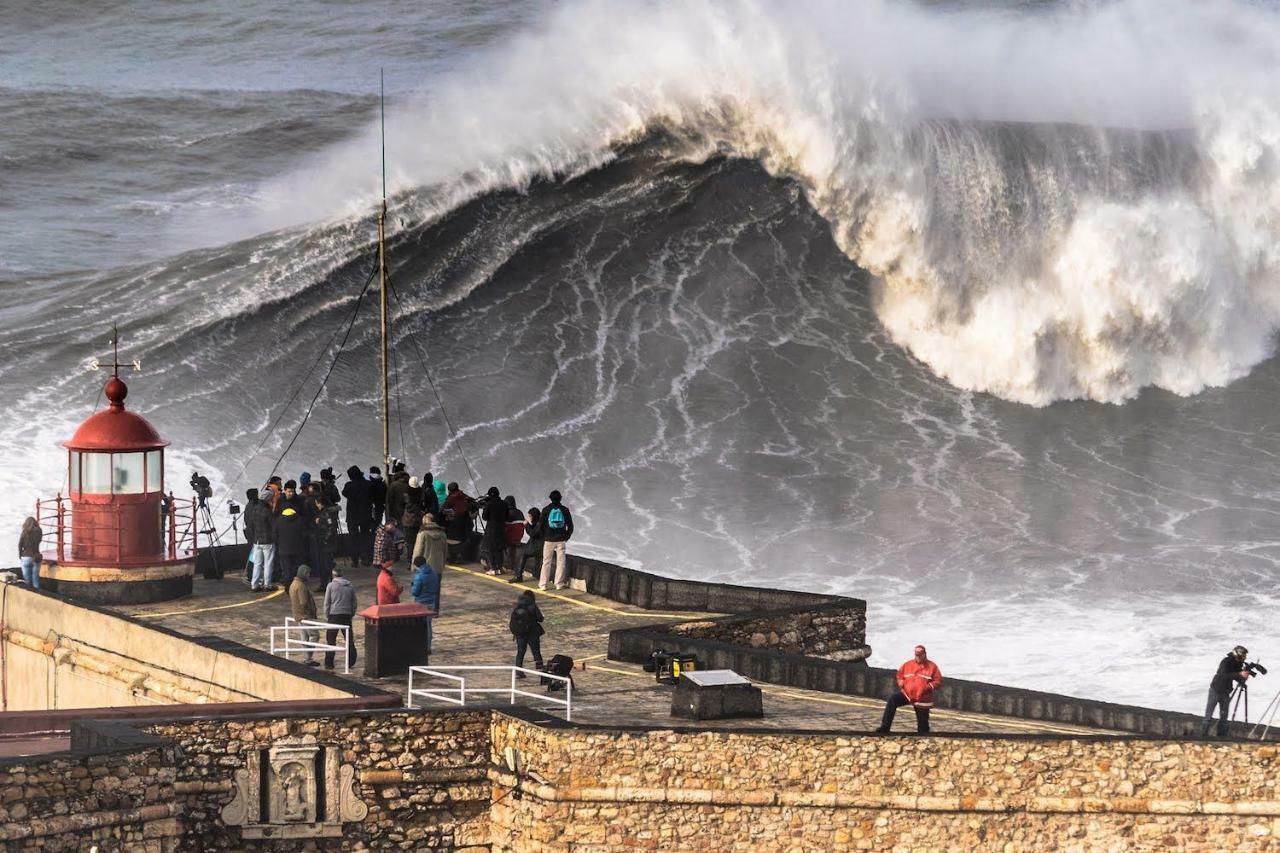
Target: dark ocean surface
{"type": "Point", "coordinates": [795, 296]}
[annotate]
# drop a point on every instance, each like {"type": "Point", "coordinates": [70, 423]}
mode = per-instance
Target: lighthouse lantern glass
{"type": "Point", "coordinates": [73, 471]}
{"type": "Point", "coordinates": [155, 470]}
{"type": "Point", "coordinates": [127, 476]}
{"type": "Point", "coordinates": [96, 473]}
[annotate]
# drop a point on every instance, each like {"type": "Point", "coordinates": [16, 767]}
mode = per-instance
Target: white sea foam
{"type": "Point", "coordinates": [1130, 272]}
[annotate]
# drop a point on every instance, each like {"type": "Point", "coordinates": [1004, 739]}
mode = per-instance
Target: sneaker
{"type": "Point", "coordinates": [562, 586]}
{"type": "Point", "coordinates": [312, 663]}
{"type": "Point", "coordinates": [515, 580]}
{"type": "Point", "coordinates": [520, 674]}
{"type": "Point", "coordinates": [543, 588]}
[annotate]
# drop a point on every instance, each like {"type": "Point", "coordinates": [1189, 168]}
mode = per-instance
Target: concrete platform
{"type": "Point", "coordinates": [472, 629]}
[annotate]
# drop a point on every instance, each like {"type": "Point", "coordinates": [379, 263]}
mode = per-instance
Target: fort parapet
{"type": "Point", "coordinates": [336, 769]}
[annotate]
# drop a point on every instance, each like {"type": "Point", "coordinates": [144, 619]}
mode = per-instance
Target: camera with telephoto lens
{"type": "Point", "coordinates": [200, 485]}
{"type": "Point", "coordinates": [1255, 669]}
{"type": "Point", "coordinates": [660, 659]}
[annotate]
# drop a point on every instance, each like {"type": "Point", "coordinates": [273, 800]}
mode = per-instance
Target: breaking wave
{"type": "Point", "coordinates": [1076, 203]}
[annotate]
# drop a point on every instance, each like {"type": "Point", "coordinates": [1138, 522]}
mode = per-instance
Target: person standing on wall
{"type": "Point", "coordinates": [339, 609]}
{"type": "Point", "coordinates": [917, 679]}
{"type": "Point", "coordinates": [29, 551]}
{"type": "Point", "coordinates": [303, 605]}
{"type": "Point", "coordinates": [525, 625]}
{"type": "Point", "coordinates": [1231, 671]}
{"type": "Point", "coordinates": [556, 527]}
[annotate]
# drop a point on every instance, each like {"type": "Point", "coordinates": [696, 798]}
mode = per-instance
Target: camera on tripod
{"type": "Point", "coordinates": [1254, 668]}
{"type": "Point", "coordinates": [200, 485]}
{"type": "Point", "coordinates": [233, 508]}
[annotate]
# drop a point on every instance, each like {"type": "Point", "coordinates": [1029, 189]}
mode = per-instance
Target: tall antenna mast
{"type": "Point", "coordinates": [382, 281]}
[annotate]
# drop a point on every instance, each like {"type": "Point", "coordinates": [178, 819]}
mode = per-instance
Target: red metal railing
{"type": "Point", "coordinates": [55, 518]}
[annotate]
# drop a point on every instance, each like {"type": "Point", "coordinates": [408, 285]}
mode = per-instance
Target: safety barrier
{"type": "Point", "coordinates": [462, 690]}
{"type": "Point", "coordinates": [301, 645]}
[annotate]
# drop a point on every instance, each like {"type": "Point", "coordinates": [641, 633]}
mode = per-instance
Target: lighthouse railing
{"type": "Point", "coordinates": [55, 517]}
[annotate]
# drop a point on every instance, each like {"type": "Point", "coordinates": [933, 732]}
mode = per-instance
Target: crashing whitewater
{"type": "Point", "coordinates": [1072, 204]}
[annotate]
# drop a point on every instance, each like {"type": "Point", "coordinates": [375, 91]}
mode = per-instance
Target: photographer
{"type": "Point", "coordinates": [1231, 671]}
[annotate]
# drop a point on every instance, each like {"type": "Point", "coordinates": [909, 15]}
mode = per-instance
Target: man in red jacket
{"type": "Point", "coordinates": [388, 590]}
{"type": "Point", "coordinates": [917, 679]}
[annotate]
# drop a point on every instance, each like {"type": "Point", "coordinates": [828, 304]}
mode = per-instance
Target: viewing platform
{"type": "Point", "coordinates": [472, 630]}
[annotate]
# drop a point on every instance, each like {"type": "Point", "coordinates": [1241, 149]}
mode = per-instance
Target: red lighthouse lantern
{"type": "Point", "coordinates": [119, 536]}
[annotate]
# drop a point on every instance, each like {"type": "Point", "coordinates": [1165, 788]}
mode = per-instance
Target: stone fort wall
{"type": "Point", "coordinates": [445, 780]}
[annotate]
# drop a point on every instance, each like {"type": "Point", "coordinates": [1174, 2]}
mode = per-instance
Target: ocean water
{"type": "Point", "coordinates": [965, 309]}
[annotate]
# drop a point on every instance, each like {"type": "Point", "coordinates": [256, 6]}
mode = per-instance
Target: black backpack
{"type": "Point", "coordinates": [521, 621]}
{"type": "Point", "coordinates": [561, 665]}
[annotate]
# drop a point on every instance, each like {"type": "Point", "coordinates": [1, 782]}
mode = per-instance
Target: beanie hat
{"type": "Point", "coordinates": [374, 469]}
{"type": "Point", "coordinates": [413, 482]}
{"type": "Point", "coordinates": [291, 484]}
{"type": "Point", "coordinates": [305, 478]}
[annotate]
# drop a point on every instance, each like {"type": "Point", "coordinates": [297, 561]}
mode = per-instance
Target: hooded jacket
{"type": "Point", "coordinates": [359, 501]}
{"type": "Point", "coordinates": [426, 587]}
{"type": "Point", "coordinates": [433, 545]}
{"type": "Point", "coordinates": [300, 597]}
{"type": "Point", "coordinates": [259, 523]}
{"type": "Point", "coordinates": [377, 494]}
{"type": "Point", "coordinates": [441, 490]}
{"type": "Point", "coordinates": [526, 618]}
{"type": "Point", "coordinates": [291, 532]}
{"type": "Point", "coordinates": [430, 502]}
{"type": "Point", "coordinates": [339, 598]}
{"type": "Point", "coordinates": [918, 681]}
{"type": "Point", "coordinates": [397, 496]}
{"type": "Point", "coordinates": [495, 521]}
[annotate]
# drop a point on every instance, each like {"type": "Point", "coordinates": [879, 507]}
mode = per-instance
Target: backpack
{"type": "Point", "coordinates": [521, 621]}
{"type": "Point", "coordinates": [555, 519]}
{"type": "Point", "coordinates": [558, 665]}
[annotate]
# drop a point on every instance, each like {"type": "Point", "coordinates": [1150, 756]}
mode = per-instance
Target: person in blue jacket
{"type": "Point", "coordinates": [426, 591]}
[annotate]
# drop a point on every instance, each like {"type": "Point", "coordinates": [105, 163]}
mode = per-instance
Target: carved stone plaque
{"type": "Point", "coordinates": [307, 793]}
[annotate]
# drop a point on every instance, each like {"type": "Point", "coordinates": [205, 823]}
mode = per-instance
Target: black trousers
{"type": "Point", "coordinates": [332, 635]}
{"type": "Point", "coordinates": [360, 542]}
{"type": "Point", "coordinates": [522, 559]}
{"type": "Point", "coordinates": [896, 701]}
{"type": "Point", "coordinates": [533, 644]}
{"type": "Point", "coordinates": [289, 566]}
{"type": "Point", "coordinates": [1221, 701]}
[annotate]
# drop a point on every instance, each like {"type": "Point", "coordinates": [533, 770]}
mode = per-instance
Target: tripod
{"type": "Point", "coordinates": [1241, 692]}
{"type": "Point", "coordinates": [210, 530]}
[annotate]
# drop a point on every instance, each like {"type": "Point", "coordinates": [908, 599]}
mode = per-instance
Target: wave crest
{"type": "Point", "coordinates": [1023, 245]}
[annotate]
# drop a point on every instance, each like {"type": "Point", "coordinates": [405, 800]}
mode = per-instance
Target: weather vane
{"type": "Point", "coordinates": [115, 365]}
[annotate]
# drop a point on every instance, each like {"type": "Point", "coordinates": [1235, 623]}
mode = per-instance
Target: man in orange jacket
{"type": "Point", "coordinates": [388, 590]}
{"type": "Point", "coordinates": [917, 679]}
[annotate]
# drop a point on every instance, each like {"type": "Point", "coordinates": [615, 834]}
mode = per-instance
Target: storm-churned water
{"type": "Point", "coordinates": [965, 310]}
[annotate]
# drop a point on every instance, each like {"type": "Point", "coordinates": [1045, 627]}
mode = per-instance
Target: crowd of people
{"type": "Point", "coordinates": [293, 529]}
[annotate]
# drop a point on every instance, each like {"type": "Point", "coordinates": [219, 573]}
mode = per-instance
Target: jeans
{"type": "Point", "coordinates": [533, 644]}
{"type": "Point", "coordinates": [550, 550]}
{"type": "Point", "coordinates": [31, 572]}
{"type": "Point", "coordinates": [896, 701]}
{"type": "Point", "coordinates": [1221, 701]}
{"type": "Point", "coordinates": [331, 636]}
{"type": "Point", "coordinates": [264, 561]}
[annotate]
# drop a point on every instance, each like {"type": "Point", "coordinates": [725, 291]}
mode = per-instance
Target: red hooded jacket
{"type": "Point", "coordinates": [919, 680]}
{"type": "Point", "coordinates": [388, 590]}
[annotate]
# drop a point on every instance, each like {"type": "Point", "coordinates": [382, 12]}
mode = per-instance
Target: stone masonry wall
{"type": "Point", "coordinates": [119, 801]}
{"type": "Point", "coordinates": [422, 775]}
{"type": "Point", "coordinates": [835, 632]}
{"type": "Point", "coordinates": [615, 790]}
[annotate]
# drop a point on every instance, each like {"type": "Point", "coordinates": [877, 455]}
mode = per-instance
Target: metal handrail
{"type": "Point", "coordinates": [462, 690]}
{"type": "Point", "coordinates": [54, 517]}
{"type": "Point", "coordinates": [303, 645]}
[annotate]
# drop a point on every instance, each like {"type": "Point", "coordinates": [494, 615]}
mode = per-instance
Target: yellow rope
{"type": "Point", "coordinates": [257, 600]}
{"type": "Point", "coordinates": [645, 614]}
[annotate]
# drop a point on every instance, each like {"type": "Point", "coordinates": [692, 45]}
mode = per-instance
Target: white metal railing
{"type": "Point", "coordinates": [301, 645]}
{"type": "Point", "coordinates": [445, 694]}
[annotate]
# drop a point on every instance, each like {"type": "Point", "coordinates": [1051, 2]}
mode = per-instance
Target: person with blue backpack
{"type": "Point", "coordinates": [556, 526]}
